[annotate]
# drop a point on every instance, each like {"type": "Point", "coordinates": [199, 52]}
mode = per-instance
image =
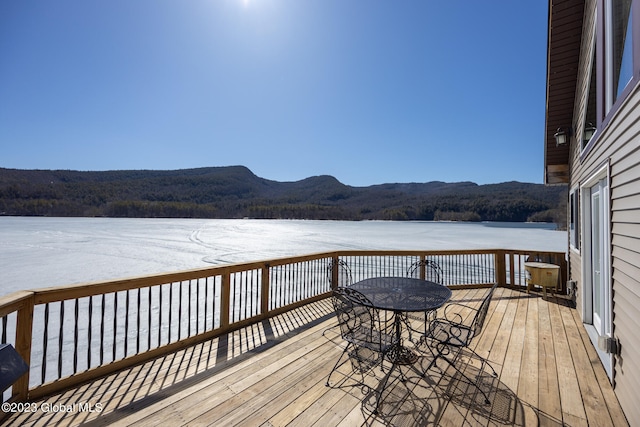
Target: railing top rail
{"type": "Point", "coordinates": [442, 252]}
{"type": "Point", "coordinates": [81, 290]}
{"type": "Point", "coordinates": [14, 301]}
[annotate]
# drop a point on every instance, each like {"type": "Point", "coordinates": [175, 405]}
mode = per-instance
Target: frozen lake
{"type": "Point", "coordinates": [43, 252]}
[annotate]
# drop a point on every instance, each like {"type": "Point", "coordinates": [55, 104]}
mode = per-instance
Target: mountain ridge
{"type": "Point", "coordinates": [236, 192]}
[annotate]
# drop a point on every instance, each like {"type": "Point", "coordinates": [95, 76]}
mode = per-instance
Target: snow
{"type": "Point", "coordinates": [43, 252]}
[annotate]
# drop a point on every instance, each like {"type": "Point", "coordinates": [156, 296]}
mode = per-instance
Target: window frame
{"type": "Point", "coordinates": [604, 115]}
{"type": "Point", "coordinates": [603, 35]}
{"type": "Point", "coordinates": [574, 222]}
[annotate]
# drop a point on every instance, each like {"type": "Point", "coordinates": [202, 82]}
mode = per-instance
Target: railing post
{"type": "Point", "coordinates": [501, 268]}
{"type": "Point", "coordinates": [266, 277]}
{"type": "Point", "coordinates": [225, 299]}
{"type": "Point", "coordinates": [24, 328]}
{"type": "Point", "coordinates": [334, 272]}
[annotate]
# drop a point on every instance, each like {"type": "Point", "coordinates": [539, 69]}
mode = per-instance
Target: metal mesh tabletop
{"type": "Point", "coordinates": [403, 293]}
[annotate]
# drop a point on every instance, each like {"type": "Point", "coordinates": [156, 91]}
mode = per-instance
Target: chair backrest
{"type": "Point", "coordinates": [344, 274]}
{"type": "Point", "coordinates": [354, 311]}
{"type": "Point", "coordinates": [12, 366]}
{"type": "Point", "coordinates": [432, 270]}
{"type": "Point", "coordinates": [481, 315]}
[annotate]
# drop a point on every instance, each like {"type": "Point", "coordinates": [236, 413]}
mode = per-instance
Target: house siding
{"type": "Point", "coordinates": [618, 145]}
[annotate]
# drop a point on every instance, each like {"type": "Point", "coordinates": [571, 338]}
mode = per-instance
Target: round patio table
{"type": "Point", "coordinates": [401, 295]}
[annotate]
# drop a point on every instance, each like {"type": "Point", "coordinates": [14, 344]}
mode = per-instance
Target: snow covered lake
{"type": "Point", "coordinates": [43, 252]}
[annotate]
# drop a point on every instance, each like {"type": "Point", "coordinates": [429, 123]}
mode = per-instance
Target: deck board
{"type": "Point", "coordinates": [274, 374]}
{"type": "Point", "coordinates": [595, 408]}
{"type": "Point", "coordinates": [609, 397]}
{"type": "Point", "coordinates": [548, 388]}
{"type": "Point", "coordinates": [573, 412]}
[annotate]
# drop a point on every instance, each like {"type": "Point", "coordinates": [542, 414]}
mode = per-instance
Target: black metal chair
{"type": "Point", "coordinates": [452, 333]}
{"type": "Point", "coordinates": [345, 278]}
{"type": "Point", "coordinates": [432, 270]}
{"type": "Point", "coordinates": [367, 340]}
{"type": "Point", "coordinates": [12, 366]}
{"type": "Point", "coordinates": [433, 273]}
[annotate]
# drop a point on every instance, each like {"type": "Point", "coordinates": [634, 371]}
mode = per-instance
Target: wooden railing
{"type": "Point", "coordinates": [72, 334]}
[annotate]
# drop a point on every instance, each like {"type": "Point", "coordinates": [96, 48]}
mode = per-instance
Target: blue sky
{"type": "Point", "coordinates": [368, 91]}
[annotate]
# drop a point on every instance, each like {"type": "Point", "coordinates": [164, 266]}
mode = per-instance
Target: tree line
{"type": "Point", "coordinates": [235, 192]}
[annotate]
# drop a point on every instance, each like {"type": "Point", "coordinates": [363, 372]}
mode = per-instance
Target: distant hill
{"type": "Point", "coordinates": [236, 192]}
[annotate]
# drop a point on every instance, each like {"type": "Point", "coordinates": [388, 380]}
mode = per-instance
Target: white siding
{"type": "Point", "coordinates": [619, 146]}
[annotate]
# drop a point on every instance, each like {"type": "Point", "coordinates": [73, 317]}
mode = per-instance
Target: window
{"type": "Point", "coordinates": [615, 67]}
{"type": "Point", "coordinates": [618, 49]}
{"type": "Point", "coordinates": [574, 226]}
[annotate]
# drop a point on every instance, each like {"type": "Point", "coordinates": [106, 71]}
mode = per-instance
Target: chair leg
{"type": "Point", "coordinates": [338, 364]}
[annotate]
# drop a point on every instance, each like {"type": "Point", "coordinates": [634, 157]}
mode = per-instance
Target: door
{"type": "Point", "coordinates": [597, 239]}
{"type": "Point", "coordinates": [596, 262]}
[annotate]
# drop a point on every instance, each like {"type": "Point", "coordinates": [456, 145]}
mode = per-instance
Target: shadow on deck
{"type": "Point", "coordinates": [274, 374]}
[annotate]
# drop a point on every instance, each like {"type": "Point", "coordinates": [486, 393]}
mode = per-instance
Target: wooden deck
{"type": "Point", "coordinates": [274, 374]}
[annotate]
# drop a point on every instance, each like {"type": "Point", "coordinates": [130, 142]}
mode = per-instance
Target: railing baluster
{"type": "Point", "coordinates": [256, 292]}
{"type": "Point", "coordinates": [253, 293]}
{"type": "Point", "coordinates": [197, 306]}
{"type": "Point", "coordinates": [149, 309]}
{"type": "Point", "coordinates": [245, 278]}
{"type": "Point", "coordinates": [218, 292]}
{"type": "Point", "coordinates": [75, 335]}
{"type": "Point", "coordinates": [102, 309]}
{"type": "Point", "coordinates": [232, 297]}
{"type": "Point", "coordinates": [160, 288]}
{"type": "Point", "coordinates": [180, 311]}
{"type": "Point", "coordinates": [287, 298]}
{"type": "Point", "coordinates": [138, 324]}
{"type": "Point", "coordinates": [4, 328]}
{"type": "Point", "coordinates": [189, 311]}
{"type": "Point", "coordinates": [45, 341]}
{"type": "Point", "coordinates": [126, 323]}
{"type": "Point", "coordinates": [170, 311]}
{"type": "Point", "coordinates": [60, 338]}
{"type": "Point", "coordinates": [206, 303]}
{"type": "Point", "coordinates": [236, 296]}
{"type": "Point", "coordinates": [237, 306]}
{"type": "Point", "coordinates": [115, 324]}
{"type": "Point", "coordinates": [89, 332]}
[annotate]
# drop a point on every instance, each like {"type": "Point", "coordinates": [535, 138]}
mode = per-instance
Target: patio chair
{"type": "Point", "coordinates": [433, 273]}
{"type": "Point", "coordinates": [432, 270]}
{"type": "Point", "coordinates": [12, 366]}
{"type": "Point", "coordinates": [360, 327]}
{"type": "Point", "coordinates": [344, 279]}
{"type": "Point", "coordinates": [451, 333]}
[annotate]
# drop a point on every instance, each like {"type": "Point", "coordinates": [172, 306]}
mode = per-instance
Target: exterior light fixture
{"type": "Point", "coordinates": [588, 132]}
{"type": "Point", "coordinates": [562, 136]}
